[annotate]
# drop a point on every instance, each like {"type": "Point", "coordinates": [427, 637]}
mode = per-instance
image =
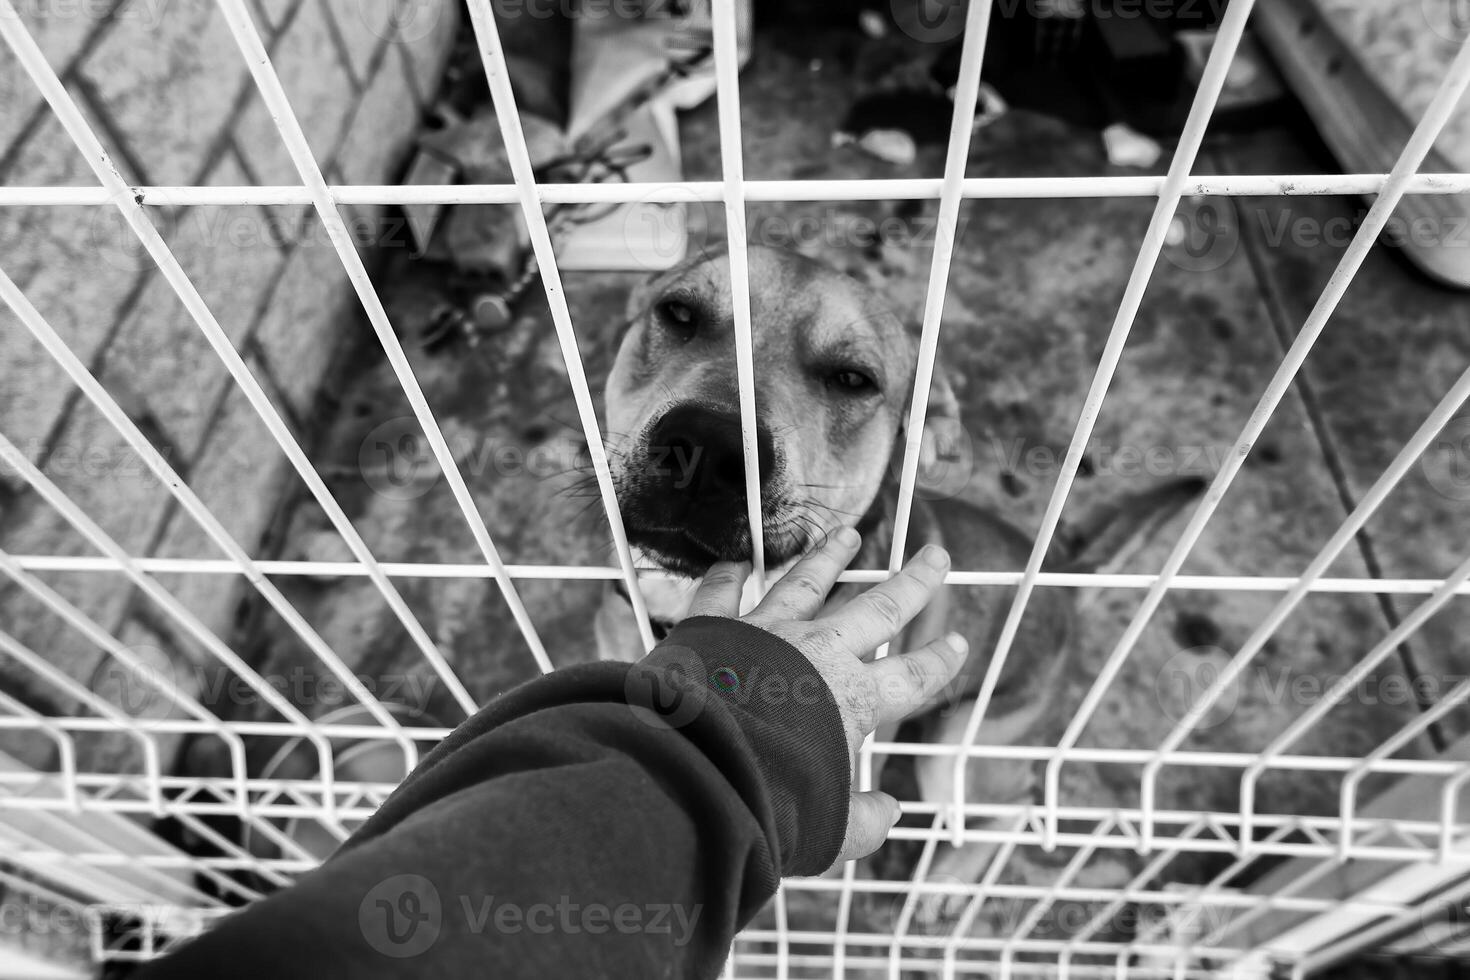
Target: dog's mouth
{"type": "Point", "coordinates": [682, 491]}
{"type": "Point", "coordinates": [691, 548]}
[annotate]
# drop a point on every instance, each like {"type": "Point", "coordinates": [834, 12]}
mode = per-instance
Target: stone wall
{"type": "Point", "coordinates": [166, 89]}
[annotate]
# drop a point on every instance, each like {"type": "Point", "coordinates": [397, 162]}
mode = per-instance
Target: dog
{"type": "Point", "coordinates": [833, 370]}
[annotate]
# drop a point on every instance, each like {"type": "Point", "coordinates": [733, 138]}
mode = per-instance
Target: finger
{"type": "Point", "coordinates": [801, 591]}
{"type": "Point", "coordinates": [876, 616]}
{"type": "Point", "coordinates": [719, 591]}
{"type": "Point", "coordinates": [870, 816]}
{"type": "Point", "coordinates": [910, 681]}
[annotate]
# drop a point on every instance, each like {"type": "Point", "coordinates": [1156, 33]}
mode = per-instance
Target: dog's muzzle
{"type": "Point", "coordinates": [683, 492]}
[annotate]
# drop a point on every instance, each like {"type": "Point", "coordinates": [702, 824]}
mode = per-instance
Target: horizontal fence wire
{"type": "Point", "coordinates": [1198, 930]}
{"type": "Point", "coordinates": [757, 190]}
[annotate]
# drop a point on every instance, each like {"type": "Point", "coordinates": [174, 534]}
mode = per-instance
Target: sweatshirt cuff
{"type": "Point", "coordinates": [790, 719]}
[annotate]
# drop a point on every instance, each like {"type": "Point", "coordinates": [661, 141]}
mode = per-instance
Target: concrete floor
{"type": "Point", "coordinates": [1033, 292]}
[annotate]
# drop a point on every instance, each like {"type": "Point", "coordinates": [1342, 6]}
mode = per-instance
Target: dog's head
{"type": "Point", "coordinates": [834, 369]}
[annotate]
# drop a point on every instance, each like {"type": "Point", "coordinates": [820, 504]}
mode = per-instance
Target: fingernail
{"type": "Point", "coordinates": [935, 557]}
{"type": "Point", "coordinates": [848, 537]}
{"type": "Point", "coordinates": [897, 815]}
{"type": "Point", "coordinates": [957, 643]}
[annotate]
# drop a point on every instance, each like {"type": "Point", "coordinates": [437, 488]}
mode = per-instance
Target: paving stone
{"type": "Point", "coordinates": [368, 154]}
{"type": "Point", "coordinates": [171, 106]}
{"type": "Point", "coordinates": [293, 336]}
{"type": "Point", "coordinates": [232, 256]}
{"type": "Point", "coordinates": [238, 477]}
{"type": "Point", "coordinates": [422, 37]}
{"type": "Point", "coordinates": [77, 268]}
{"type": "Point", "coordinates": [365, 26]}
{"type": "Point", "coordinates": [59, 30]}
{"type": "Point", "coordinates": [93, 465]}
{"type": "Point", "coordinates": [319, 91]}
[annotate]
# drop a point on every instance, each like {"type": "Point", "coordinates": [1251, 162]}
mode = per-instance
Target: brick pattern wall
{"type": "Point", "coordinates": [166, 89]}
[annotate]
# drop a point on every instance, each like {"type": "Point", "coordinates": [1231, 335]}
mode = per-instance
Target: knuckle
{"type": "Point", "coordinates": [820, 644]}
{"type": "Point", "coordinates": [885, 609]}
{"type": "Point", "coordinates": [857, 702]}
{"type": "Point", "coordinates": [722, 577]}
{"type": "Point", "coordinates": [806, 586]}
{"type": "Point", "coordinates": [917, 673]}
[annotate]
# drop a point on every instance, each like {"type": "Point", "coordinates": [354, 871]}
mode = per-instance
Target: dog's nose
{"type": "Point", "coordinates": [703, 454]}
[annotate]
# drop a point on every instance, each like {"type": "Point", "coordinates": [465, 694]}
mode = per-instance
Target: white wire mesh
{"type": "Point", "coordinates": [1210, 925]}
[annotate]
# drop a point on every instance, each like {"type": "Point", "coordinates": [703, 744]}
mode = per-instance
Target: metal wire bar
{"type": "Point", "coordinates": [957, 157]}
{"type": "Point", "coordinates": [1340, 540]}
{"type": "Point", "coordinates": [1445, 101]}
{"type": "Point", "coordinates": [820, 965]}
{"type": "Point", "coordinates": [1129, 893]}
{"type": "Point", "coordinates": [150, 587]}
{"type": "Point", "coordinates": [783, 936]}
{"type": "Point", "coordinates": [1375, 933]}
{"type": "Point", "coordinates": [1266, 904]}
{"type": "Point", "coordinates": [492, 57]}
{"type": "Point", "coordinates": [732, 164]}
{"type": "Point", "coordinates": [66, 748]}
{"type": "Point", "coordinates": [83, 623]}
{"type": "Point", "coordinates": [1300, 725]}
{"type": "Point", "coordinates": [229, 847]}
{"type": "Point", "coordinates": [203, 516]}
{"type": "Point", "coordinates": [910, 901]}
{"type": "Point", "coordinates": [115, 719]}
{"type": "Point", "coordinates": [1211, 83]}
{"type": "Point", "coordinates": [1211, 891]}
{"type": "Point", "coordinates": [1044, 904]}
{"type": "Point", "coordinates": [1348, 793]}
{"type": "Point", "coordinates": [86, 141]}
{"type": "Point", "coordinates": [1449, 801]}
{"type": "Point", "coordinates": [756, 190]}
{"type": "Point", "coordinates": [270, 802]}
{"type": "Point", "coordinates": [583, 573]}
{"type": "Point", "coordinates": [983, 892]}
{"type": "Point", "coordinates": [89, 628]}
{"type": "Point", "coordinates": [24, 849]}
{"type": "Point", "coordinates": [247, 38]}
{"type": "Point", "coordinates": [124, 198]}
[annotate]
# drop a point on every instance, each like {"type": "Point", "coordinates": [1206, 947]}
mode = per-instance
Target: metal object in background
{"type": "Point", "coordinates": [1365, 127]}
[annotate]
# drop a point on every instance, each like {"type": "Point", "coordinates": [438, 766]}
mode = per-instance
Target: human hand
{"type": "Point", "coordinates": [840, 644]}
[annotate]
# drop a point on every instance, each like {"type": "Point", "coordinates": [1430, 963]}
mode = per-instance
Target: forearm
{"type": "Point", "coordinates": [604, 820]}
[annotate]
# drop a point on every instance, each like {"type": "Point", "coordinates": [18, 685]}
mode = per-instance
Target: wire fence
{"type": "Point", "coordinates": [145, 894]}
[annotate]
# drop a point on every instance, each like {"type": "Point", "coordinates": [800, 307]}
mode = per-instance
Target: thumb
{"type": "Point", "coordinates": [870, 816]}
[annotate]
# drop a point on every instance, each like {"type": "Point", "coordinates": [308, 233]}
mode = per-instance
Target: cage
{"type": "Point", "coordinates": [1123, 863]}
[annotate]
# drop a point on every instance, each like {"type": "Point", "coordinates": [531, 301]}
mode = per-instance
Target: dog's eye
{"type": "Point", "coordinates": [676, 314]}
{"type": "Point", "coordinates": [853, 381]}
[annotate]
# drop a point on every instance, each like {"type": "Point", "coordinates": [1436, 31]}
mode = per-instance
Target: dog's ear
{"type": "Point", "coordinates": [1112, 533]}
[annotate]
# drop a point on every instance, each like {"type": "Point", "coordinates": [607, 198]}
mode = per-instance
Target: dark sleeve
{"type": "Point", "coordinates": [603, 820]}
